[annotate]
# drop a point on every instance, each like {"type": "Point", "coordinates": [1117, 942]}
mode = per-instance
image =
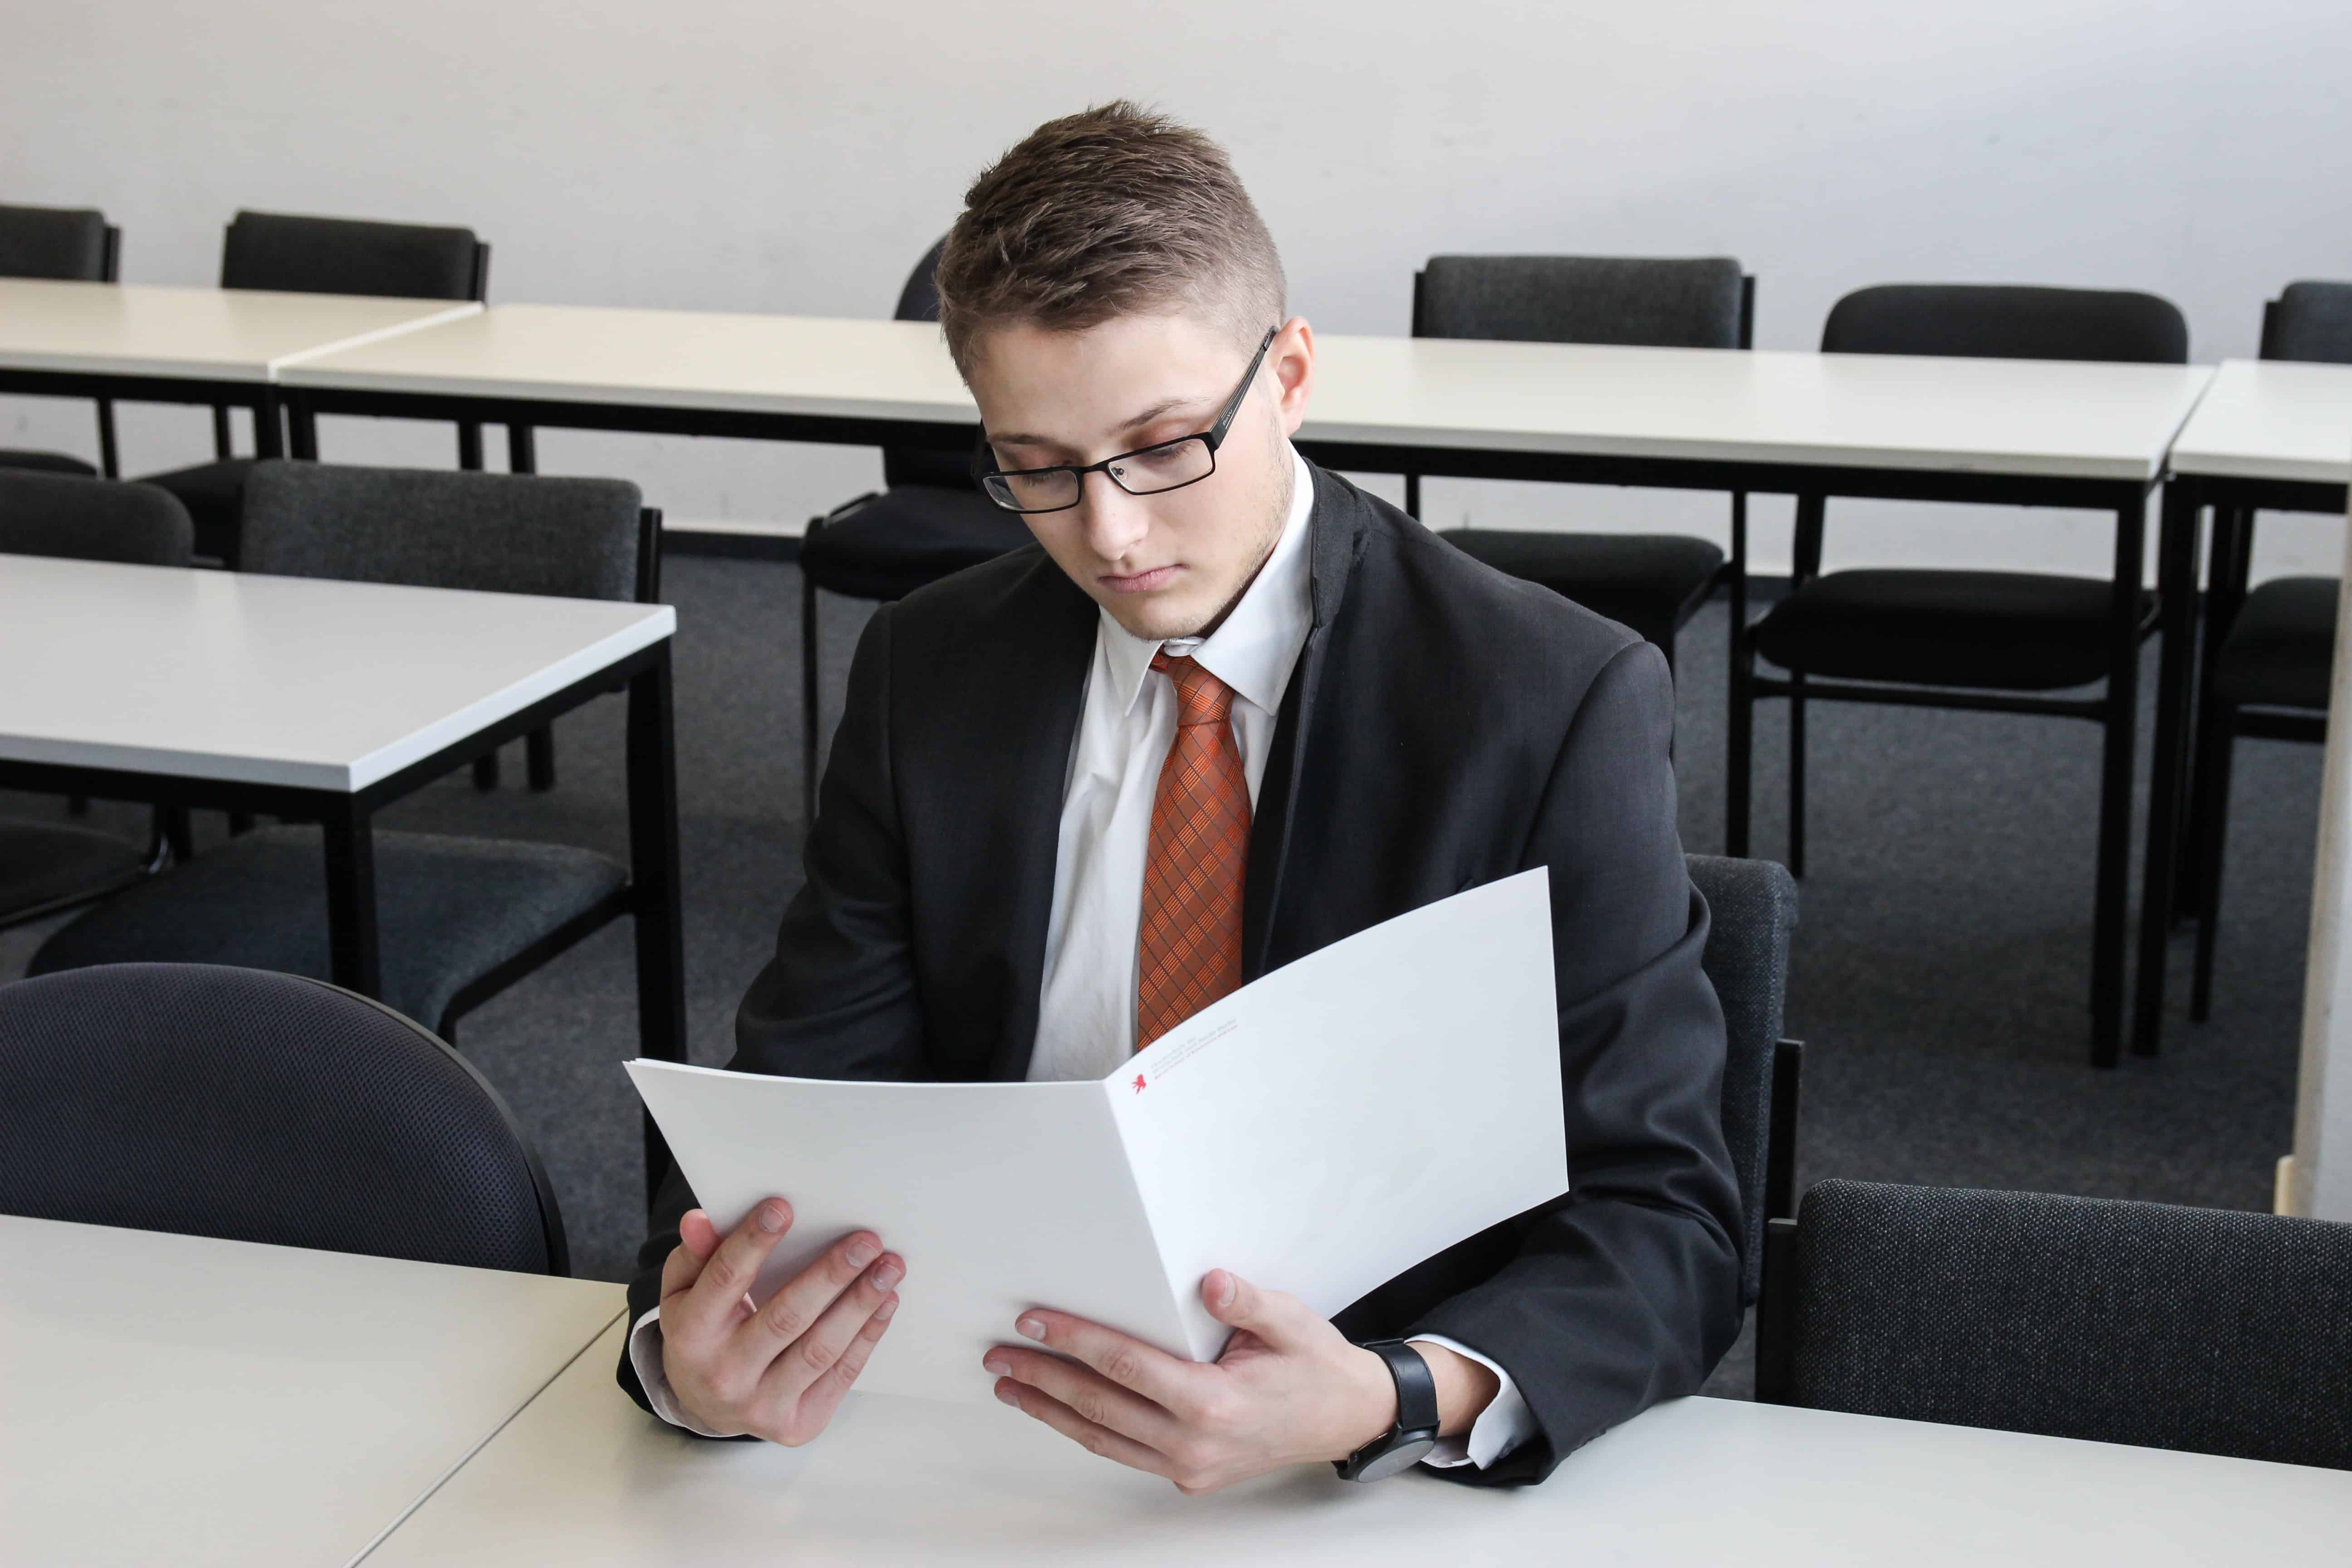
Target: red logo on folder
{"type": "Point", "coordinates": [1138, 1083]}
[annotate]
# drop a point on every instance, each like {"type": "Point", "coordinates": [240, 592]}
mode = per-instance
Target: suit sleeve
{"type": "Point", "coordinates": [838, 999]}
{"type": "Point", "coordinates": [1627, 1290]}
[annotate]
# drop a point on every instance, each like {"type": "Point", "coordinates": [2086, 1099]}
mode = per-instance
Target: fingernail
{"type": "Point", "coordinates": [889, 1305]}
{"type": "Point", "coordinates": [889, 1274]}
{"type": "Point", "coordinates": [1007, 1395]}
{"type": "Point", "coordinates": [997, 1364]}
{"type": "Point", "coordinates": [1032, 1328]}
{"type": "Point", "coordinates": [862, 1253]}
{"type": "Point", "coordinates": [772, 1218]}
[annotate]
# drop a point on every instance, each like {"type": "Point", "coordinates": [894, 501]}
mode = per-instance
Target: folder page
{"type": "Point", "coordinates": [1001, 1196]}
{"type": "Point", "coordinates": [1336, 1121]}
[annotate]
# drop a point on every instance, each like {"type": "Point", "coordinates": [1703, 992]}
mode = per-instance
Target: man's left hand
{"type": "Point", "coordinates": [1289, 1389]}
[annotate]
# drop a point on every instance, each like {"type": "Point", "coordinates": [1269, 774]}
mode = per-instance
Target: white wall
{"type": "Point", "coordinates": [734, 155]}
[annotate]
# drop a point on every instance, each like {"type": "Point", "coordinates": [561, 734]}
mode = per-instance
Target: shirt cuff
{"type": "Point", "coordinates": [1502, 1425]}
{"type": "Point", "coordinates": [645, 1356]}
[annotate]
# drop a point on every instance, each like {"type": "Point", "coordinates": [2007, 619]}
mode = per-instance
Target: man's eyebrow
{"type": "Point", "coordinates": [1023, 438]}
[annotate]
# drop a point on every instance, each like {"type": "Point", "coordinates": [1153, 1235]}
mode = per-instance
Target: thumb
{"type": "Point", "coordinates": [1271, 1315]}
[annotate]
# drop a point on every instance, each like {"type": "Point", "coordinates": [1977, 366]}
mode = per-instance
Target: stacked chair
{"type": "Point", "coordinates": [2205, 1330]}
{"type": "Point", "coordinates": [1651, 582]}
{"type": "Point", "coordinates": [1998, 641]}
{"type": "Point", "coordinates": [74, 245]}
{"type": "Point", "coordinates": [2270, 651]}
{"type": "Point", "coordinates": [321, 256]}
{"type": "Point", "coordinates": [931, 520]}
{"type": "Point", "coordinates": [462, 918]}
{"type": "Point", "coordinates": [48, 866]}
{"type": "Point", "coordinates": [265, 1108]}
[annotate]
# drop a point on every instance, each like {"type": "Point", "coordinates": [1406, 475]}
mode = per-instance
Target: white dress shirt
{"type": "Point", "coordinates": [1086, 1023]}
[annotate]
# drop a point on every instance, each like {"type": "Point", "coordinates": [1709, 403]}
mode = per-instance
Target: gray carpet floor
{"type": "Point", "coordinates": [1941, 967]}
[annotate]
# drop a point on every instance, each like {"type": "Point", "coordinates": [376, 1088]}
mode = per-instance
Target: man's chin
{"type": "Point", "coordinates": [1148, 618]}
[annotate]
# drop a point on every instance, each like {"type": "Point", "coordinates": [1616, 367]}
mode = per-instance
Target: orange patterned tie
{"type": "Point", "coordinates": [1190, 954]}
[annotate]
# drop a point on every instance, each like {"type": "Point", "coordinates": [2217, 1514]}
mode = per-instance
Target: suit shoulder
{"type": "Point", "coordinates": [1452, 594]}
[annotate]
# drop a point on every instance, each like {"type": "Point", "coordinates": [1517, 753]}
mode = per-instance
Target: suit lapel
{"type": "Point", "coordinates": [1041, 673]}
{"type": "Point", "coordinates": [1337, 539]}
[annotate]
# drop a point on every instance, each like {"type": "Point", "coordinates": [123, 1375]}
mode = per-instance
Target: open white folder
{"type": "Point", "coordinates": [1320, 1130]}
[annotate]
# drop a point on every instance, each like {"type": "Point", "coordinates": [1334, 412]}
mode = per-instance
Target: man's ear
{"type": "Point", "coordinates": [1292, 361]}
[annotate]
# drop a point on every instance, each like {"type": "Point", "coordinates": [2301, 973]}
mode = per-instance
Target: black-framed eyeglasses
{"type": "Point", "coordinates": [1146, 471]}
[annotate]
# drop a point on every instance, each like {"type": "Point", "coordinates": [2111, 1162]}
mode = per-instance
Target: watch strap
{"type": "Point", "coordinates": [1415, 1430]}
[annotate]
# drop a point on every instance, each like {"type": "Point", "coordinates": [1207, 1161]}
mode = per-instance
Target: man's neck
{"type": "Point", "coordinates": [1282, 512]}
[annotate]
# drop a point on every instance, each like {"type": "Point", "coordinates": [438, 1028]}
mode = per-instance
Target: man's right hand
{"type": "Point", "coordinates": [778, 1371]}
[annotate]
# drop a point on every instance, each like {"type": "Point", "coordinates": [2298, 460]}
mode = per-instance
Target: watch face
{"type": "Point", "coordinates": [1403, 1457]}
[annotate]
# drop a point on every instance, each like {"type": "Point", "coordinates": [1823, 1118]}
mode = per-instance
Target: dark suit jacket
{"type": "Point", "coordinates": [1446, 726]}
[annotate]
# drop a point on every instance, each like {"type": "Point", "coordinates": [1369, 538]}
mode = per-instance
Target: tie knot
{"type": "Point", "coordinates": [1201, 698]}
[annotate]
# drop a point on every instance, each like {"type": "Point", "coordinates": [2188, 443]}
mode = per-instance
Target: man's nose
{"type": "Point", "coordinates": [1114, 521]}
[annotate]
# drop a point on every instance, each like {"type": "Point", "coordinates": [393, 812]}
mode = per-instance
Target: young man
{"type": "Point", "coordinates": [1231, 710]}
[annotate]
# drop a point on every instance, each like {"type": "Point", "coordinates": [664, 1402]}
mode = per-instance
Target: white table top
{"type": "Point", "coordinates": [169, 1399]}
{"type": "Point", "coordinates": [2271, 419]}
{"type": "Point", "coordinates": [197, 334]}
{"type": "Point", "coordinates": [287, 681]}
{"type": "Point", "coordinates": [582, 1477]}
{"type": "Point", "coordinates": [2006, 417]}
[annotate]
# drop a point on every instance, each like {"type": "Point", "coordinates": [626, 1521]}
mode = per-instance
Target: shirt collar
{"type": "Point", "coordinates": [1253, 648]}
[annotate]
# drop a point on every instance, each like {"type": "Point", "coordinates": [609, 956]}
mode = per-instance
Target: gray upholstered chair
{"type": "Point", "coordinates": [73, 244]}
{"type": "Point", "coordinates": [930, 520]}
{"type": "Point", "coordinates": [2208, 1330]}
{"type": "Point", "coordinates": [224, 1102]}
{"type": "Point", "coordinates": [47, 867]}
{"type": "Point", "coordinates": [1651, 583]}
{"type": "Point", "coordinates": [2274, 647]}
{"type": "Point", "coordinates": [461, 919]}
{"type": "Point", "coordinates": [323, 255]}
{"type": "Point", "coordinates": [1752, 907]}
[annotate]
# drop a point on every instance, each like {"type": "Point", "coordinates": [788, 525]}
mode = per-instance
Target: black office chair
{"type": "Point", "coordinates": [2274, 645]}
{"type": "Point", "coordinates": [73, 244]}
{"type": "Point", "coordinates": [1651, 583]}
{"type": "Point", "coordinates": [931, 521]}
{"type": "Point", "coordinates": [2206, 1330]}
{"type": "Point", "coordinates": [1996, 641]}
{"type": "Point", "coordinates": [226, 1102]}
{"type": "Point", "coordinates": [50, 866]}
{"type": "Point", "coordinates": [323, 255]}
{"type": "Point", "coordinates": [462, 918]}
{"type": "Point", "coordinates": [1752, 906]}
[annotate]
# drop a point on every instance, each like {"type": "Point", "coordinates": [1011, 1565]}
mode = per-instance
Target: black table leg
{"type": "Point", "coordinates": [654, 872]}
{"type": "Point", "coordinates": [269, 425]}
{"type": "Point", "coordinates": [2109, 932]}
{"type": "Point", "coordinates": [351, 902]}
{"type": "Point", "coordinates": [301, 428]}
{"type": "Point", "coordinates": [2176, 580]}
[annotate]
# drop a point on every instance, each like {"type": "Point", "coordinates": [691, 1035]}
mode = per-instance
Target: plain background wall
{"type": "Point", "coordinates": [727, 154]}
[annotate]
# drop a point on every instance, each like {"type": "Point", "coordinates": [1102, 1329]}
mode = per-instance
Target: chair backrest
{"type": "Point", "coordinates": [427, 528]}
{"type": "Point", "coordinates": [1981, 320]}
{"type": "Point", "coordinates": [1751, 908]}
{"type": "Point", "coordinates": [92, 520]}
{"type": "Point", "coordinates": [2210, 1330]}
{"type": "Point", "coordinates": [1698, 304]}
{"type": "Point", "coordinates": [73, 244]}
{"type": "Point", "coordinates": [260, 1106]}
{"type": "Point", "coordinates": [344, 256]}
{"type": "Point", "coordinates": [2309, 321]}
{"type": "Point", "coordinates": [920, 302]}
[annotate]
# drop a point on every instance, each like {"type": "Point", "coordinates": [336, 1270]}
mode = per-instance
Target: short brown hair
{"type": "Point", "coordinates": [1114, 212]}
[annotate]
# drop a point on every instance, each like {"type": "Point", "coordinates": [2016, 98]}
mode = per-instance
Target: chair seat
{"type": "Point", "coordinates": [213, 494]}
{"type": "Point", "coordinates": [2013, 631]}
{"type": "Point", "coordinates": [47, 462]}
{"type": "Point", "coordinates": [449, 910]}
{"type": "Point", "coordinates": [2282, 647]}
{"type": "Point", "coordinates": [46, 866]}
{"type": "Point", "coordinates": [1651, 581]}
{"type": "Point", "coordinates": [907, 537]}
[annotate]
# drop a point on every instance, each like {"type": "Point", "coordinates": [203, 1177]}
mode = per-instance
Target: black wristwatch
{"type": "Point", "coordinates": [1415, 1432]}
